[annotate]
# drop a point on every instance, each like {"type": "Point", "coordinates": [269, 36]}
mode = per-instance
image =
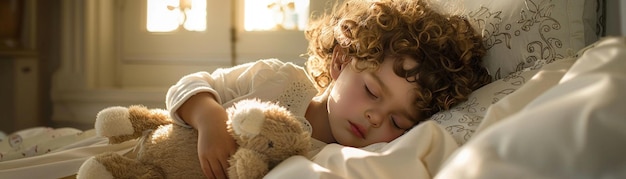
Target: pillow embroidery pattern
{"type": "Point", "coordinates": [471, 115]}
{"type": "Point", "coordinates": [463, 119]}
{"type": "Point", "coordinates": [535, 32]}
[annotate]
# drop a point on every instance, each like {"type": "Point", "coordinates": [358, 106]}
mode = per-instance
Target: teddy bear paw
{"type": "Point", "coordinates": [113, 121]}
{"type": "Point", "coordinates": [93, 169]}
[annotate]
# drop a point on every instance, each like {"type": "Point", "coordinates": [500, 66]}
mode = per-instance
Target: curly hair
{"type": "Point", "coordinates": [446, 48]}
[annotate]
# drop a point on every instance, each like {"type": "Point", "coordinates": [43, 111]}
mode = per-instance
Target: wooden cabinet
{"type": "Point", "coordinates": [19, 66]}
{"type": "Point", "coordinates": [19, 92]}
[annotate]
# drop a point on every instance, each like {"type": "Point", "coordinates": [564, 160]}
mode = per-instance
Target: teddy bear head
{"type": "Point", "coordinates": [268, 129]}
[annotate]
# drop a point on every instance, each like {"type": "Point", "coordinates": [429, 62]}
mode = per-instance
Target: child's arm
{"type": "Point", "coordinates": [215, 145]}
{"type": "Point", "coordinates": [197, 99]}
{"type": "Point", "coordinates": [224, 84]}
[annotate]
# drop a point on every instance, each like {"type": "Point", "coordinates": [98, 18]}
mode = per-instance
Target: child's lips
{"type": "Point", "coordinates": [357, 130]}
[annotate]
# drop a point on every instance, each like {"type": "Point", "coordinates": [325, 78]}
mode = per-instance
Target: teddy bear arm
{"type": "Point", "coordinates": [120, 124]}
{"type": "Point", "coordinates": [144, 119]}
{"type": "Point", "coordinates": [247, 163]}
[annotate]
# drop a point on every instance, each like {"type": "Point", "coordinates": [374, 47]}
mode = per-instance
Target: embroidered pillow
{"type": "Point", "coordinates": [519, 33]}
{"type": "Point", "coordinates": [463, 119]}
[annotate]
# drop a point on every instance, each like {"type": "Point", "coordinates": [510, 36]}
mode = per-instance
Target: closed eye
{"type": "Point", "coordinates": [395, 124]}
{"type": "Point", "coordinates": [370, 93]}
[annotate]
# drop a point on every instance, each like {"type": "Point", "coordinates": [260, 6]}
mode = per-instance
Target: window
{"type": "Point", "coordinates": [261, 15]}
{"type": "Point", "coordinates": [175, 40]}
{"type": "Point", "coordinates": [170, 15]}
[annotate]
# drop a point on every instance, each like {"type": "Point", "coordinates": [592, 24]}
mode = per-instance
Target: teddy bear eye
{"type": "Point", "coordinates": [270, 144]}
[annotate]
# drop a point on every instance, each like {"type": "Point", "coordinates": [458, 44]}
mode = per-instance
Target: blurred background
{"type": "Point", "coordinates": [62, 61]}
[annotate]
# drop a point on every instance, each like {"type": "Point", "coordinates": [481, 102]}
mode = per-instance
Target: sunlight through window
{"type": "Point", "coordinates": [275, 14]}
{"type": "Point", "coordinates": [171, 15]}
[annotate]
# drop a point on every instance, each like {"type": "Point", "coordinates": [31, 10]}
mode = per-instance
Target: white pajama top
{"type": "Point", "coordinates": [266, 80]}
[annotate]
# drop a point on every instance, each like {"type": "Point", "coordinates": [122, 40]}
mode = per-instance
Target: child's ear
{"type": "Point", "coordinates": [339, 62]}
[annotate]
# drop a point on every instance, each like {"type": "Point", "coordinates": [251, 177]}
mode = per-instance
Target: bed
{"type": "Point", "coordinates": [556, 109]}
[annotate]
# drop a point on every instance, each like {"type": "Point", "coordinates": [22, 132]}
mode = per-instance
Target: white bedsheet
{"type": "Point", "coordinates": [61, 162]}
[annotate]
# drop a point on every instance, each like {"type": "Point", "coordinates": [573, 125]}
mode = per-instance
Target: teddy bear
{"type": "Point", "coordinates": [265, 132]}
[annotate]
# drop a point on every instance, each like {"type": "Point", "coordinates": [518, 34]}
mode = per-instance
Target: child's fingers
{"type": "Point", "coordinates": [217, 169]}
{"type": "Point", "coordinates": [225, 165]}
{"type": "Point", "coordinates": [206, 168]}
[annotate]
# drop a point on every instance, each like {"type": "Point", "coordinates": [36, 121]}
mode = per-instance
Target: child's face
{"type": "Point", "coordinates": [370, 106]}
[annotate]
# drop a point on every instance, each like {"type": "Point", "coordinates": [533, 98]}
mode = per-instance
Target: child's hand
{"type": "Point", "coordinates": [215, 146]}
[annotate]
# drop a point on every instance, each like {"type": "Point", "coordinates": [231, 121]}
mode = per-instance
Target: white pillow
{"type": "Point", "coordinates": [463, 119]}
{"type": "Point", "coordinates": [518, 33]}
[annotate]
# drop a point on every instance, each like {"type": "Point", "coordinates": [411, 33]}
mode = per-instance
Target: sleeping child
{"type": "Point", "coordinates": [375, 69]}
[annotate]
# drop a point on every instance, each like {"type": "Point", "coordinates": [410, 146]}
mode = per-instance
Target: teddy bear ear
{"type": "Point", "coordinates": [248, 121]}
{"type": "Point", "coordinates": [113, 121]}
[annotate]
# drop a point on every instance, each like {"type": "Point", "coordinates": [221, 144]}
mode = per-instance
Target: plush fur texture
{"type": "Point", "coordinates": [265, 132]}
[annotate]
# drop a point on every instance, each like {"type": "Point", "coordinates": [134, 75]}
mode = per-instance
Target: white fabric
{"type": "Point", "coordinates": [267, 80]}
{"type": "Point", "coordinates": [38, 141]}
{"type": "Point", "coordinates": [463, 119]}
{"type": "Point", "coordinates": [62, 162]}
{"type": "Point", "coordinates": [417, 154]}
{"type": "Point", "coordinates": [575, 129]}
{"type": "Point", "coordinates": [546, 78]}
{"type": "Point", "coordinates": [519, 33]}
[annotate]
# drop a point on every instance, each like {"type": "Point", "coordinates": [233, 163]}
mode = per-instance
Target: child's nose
{"type": "Point", "coordinates": [375, 118]}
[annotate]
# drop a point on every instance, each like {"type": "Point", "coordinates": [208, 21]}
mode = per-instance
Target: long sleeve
{"type": "Point", "coordinates": [263, 79]}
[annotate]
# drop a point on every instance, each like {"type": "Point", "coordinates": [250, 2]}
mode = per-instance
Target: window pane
{"type": "Point", "coordinates": [168, 15]}
{"type": "Point", "coordinates": [275, 14]}
{"type": "Point", "coordinates": [196, 16]}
